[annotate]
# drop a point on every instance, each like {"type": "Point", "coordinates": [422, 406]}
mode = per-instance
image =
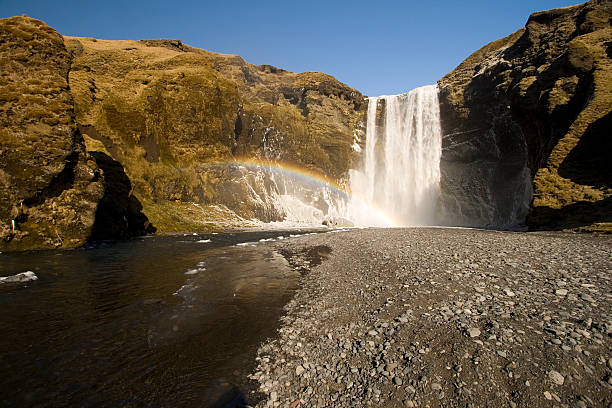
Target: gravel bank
{"type": "Point", "coordinates": [444, 318]}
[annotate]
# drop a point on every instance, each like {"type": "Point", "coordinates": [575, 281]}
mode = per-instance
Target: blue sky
{"type": "Point", "coordinates": [377, 47]}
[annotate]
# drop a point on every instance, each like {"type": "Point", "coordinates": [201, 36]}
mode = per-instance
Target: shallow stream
{"type": "Point", "coordinates": [161, 321]}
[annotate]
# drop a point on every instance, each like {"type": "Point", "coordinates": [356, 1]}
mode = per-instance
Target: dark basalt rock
{"type": "Point", "coordinates": [528, 113]}
{"type": "Point", "coordinates": [175, 45]}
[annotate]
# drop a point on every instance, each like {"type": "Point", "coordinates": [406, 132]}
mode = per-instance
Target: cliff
{"type": "Point", "coordinates": [50, 186]}
{"type": "Point", "coordinates": [94, 133]}
{"type": "Point", "coordinates": [531, 113]}
{"type": "Point", "coordinates": [177, 117]}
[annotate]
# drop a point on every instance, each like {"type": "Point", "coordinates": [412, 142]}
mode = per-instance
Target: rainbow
{"type": "Point", "coordinates": [310, 176]}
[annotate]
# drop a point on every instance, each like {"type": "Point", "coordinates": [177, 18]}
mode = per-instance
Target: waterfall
{"type": "Point", "coordinates": [396, 184]}
{"type": "Point", "coordinates": [400, 174]}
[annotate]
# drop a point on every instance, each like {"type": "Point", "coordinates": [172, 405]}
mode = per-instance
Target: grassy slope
{"type": "Point", "coordinates": [551, 189]}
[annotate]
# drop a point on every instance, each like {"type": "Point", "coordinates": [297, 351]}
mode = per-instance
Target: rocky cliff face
{"type": "Point", "coordinates": [532, 113]}
{"type": "Point", "coordinates": [50, 187]}
{"type": "Point", "coordinates": [176, 117]}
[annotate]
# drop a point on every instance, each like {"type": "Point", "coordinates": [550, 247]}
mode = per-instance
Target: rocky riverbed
{"type": "Point", "coordinates": [433, 317]}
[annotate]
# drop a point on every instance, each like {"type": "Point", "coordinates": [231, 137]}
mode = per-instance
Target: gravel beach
{"type": "Point", "coordinates": [438, 317]}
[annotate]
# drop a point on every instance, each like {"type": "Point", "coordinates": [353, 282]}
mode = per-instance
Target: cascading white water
{"type": "Point", "coordinates": [400, 176]}
{"type": "Point", "coordinates": [370, 157]}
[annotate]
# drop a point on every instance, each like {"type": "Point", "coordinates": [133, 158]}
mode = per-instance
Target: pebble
{"type": "Point", "coordinates": [587, 297]}
{"type": "Point", "coordinates": [473, 332]}
{"type": "Point", "coordinates": [556, 377]}
{"type": "Point", "coordinates": [393, 316]}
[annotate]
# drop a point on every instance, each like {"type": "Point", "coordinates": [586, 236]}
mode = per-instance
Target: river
{"type": "Point", "coordinates": [157, 321]}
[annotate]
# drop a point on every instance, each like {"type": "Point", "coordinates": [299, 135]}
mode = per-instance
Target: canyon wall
{"type": "Point", "coordinates": [532, 113]}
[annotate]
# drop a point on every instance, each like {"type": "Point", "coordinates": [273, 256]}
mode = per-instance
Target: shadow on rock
{"type": "Point", "coordinates": [119, 214]}
{"type": "Point", "coordinates": [586, 164]}
{"type": "Point", "coordinates": [580, 214]}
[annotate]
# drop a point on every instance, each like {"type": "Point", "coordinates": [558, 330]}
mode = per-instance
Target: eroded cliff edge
{"type": "Point", "coordinates": [532, 112]}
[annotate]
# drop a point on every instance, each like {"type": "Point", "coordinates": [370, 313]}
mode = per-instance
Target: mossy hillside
{"type": "Point", "coordinates": [586, 53]}
{"type": "Point", "coordinates": [561, 182]}
{"type": "Point", "coordinates": [168, 111]}
{"type": "Point", "coordinates": [49, 186]}
{"type": "Point", "coordinates": [547, 85]}
{"type": "Point", "coordinates": [555, 189]}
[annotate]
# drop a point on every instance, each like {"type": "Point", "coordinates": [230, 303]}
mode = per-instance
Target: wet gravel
{"type": "Point", "coordinates": [433, 317]}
